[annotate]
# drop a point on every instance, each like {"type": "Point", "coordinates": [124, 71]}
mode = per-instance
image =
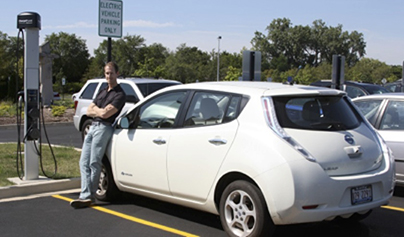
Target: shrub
{"type": "Point", "coordinates": [7, 109]}
{"type": "Point", "coordinates": [58, 111]}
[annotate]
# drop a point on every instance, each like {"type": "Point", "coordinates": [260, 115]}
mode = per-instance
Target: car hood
{"type": "Point", "coordinates": [341, 152]}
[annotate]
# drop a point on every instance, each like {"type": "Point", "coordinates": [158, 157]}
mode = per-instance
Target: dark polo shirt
{"type": "Point", "coordinates": [115, 97]}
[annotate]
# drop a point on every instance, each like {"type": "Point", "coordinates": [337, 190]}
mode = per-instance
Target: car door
{"type": "Point", "coordinates": [196, 152]}
{"type": "Point", "coordinates": [391, 128]}
{"type": "Point", "coordinates": [140, 152]}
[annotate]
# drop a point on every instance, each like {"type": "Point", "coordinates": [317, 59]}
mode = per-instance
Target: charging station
{"type": "Point", "coordinates": [31, 23]}
{"type": "Point", "coordinates": [251, 66]}
{"type": "Point", "coordinates": [338, 72]}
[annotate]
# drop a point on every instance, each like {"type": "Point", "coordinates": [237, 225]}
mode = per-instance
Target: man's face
{"type": "Point", "coordinates": [110, 74]}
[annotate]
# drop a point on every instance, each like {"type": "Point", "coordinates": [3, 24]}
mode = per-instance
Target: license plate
{"type": "Point", "coordinates": [361, 194]}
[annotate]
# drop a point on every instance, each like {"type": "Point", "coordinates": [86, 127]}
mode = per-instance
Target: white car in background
{"type": "Point", "coordinates": [135, 90]}
{"type": "Point", "coordinates": [258, 154]}
{"type": "Point", "coordinates": [386, 113]}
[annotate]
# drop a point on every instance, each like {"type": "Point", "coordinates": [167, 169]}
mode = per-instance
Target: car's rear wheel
{"type": "Point", "coordinates": [85, 128]}
{"type": "Point", "coordinates": [107, 190]}
{"type": "Point", "coordinates": [243, 211]}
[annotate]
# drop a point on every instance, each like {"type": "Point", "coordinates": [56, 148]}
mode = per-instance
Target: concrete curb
{"type": "Point", "coordinates": [41, 185]}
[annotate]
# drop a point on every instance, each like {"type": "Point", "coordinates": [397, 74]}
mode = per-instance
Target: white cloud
{"type": "Point", "coordinates": [71, 26]}
{"type": "Point", "coordinates": [147, 24]}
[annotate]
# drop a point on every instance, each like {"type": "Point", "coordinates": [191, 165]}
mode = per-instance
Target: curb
{"type": "Point", "coordinates": [37, 186]}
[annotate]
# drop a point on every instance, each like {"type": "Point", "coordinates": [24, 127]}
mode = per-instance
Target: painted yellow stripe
{"type": "Point", "coordinates": [394, 208]}
{"type": "Point", "coordinates": [134, 219]}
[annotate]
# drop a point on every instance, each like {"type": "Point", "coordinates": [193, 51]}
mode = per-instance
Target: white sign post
{"type": "Point", "coordinates": [110, 18]}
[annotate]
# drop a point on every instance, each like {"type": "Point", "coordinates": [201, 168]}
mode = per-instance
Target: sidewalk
{"type": "Point", "coordinates": [40, 185]}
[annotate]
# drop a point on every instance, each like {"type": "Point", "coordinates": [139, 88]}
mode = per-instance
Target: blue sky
{"type": "Point", "coordinates": [200, 22]}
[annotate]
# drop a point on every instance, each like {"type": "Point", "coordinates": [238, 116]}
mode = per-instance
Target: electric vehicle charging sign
{"type": "Point", "coordinates": [110, 18]}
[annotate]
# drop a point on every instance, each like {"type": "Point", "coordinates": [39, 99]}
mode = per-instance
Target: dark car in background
{"type": "Point", "coordinates": [355, 89]}
{"type": "Point", "coordinates": [394, 86]}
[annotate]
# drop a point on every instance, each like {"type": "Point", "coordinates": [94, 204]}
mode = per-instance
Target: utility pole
{"type": "Point", "coordinates": [218, 56]}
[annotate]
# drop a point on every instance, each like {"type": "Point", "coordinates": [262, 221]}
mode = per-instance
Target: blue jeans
{"type": "Point", "coordinates": [93, 150]}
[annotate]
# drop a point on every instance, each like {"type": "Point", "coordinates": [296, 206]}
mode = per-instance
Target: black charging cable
{"type": "Point", "coordinates": [50, 146]}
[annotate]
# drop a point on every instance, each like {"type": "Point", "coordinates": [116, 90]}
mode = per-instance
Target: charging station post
{"type": "Point", "coordinates": [31, 23]}
{"type": "Point", "coordinates": [338, 72]}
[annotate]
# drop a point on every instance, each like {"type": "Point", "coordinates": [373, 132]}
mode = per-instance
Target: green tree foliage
{"type": "Point", "coordinates": [126, 52]}
{"type": "Point", "coordinates": [188, 64]}
{"type": "Point", "coordinates": [371, 71]}
{"type": "Point", "coordinates": [233, 74]}
{"type": "Point", "coordinates": [73, 58]}
{"type": "Point", "coordinates": [152, 62]}
{"type": "Point", "coordinates": [12, 66]}
{"type": "Point", "coordinates": [286, 46]}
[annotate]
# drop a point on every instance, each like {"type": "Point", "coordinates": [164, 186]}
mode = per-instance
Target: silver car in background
{"type": "Point", "coordinates": [386, 113]}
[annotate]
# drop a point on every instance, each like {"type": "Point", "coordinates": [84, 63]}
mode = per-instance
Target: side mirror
{"type": "Point", "coordinates": [123, 123]}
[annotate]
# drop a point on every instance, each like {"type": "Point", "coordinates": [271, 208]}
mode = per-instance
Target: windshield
{"type": "Point", "coordinates": [316, 113]}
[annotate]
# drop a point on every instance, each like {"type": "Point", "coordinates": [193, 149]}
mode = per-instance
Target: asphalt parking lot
{"type": "Point", "coordinates": [51, 215]}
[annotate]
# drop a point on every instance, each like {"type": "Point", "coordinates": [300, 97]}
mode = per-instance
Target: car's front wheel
{"type": "Point", "coordinates": [107, 190]}
{"type": "Point", "coordinates": [243, 211]}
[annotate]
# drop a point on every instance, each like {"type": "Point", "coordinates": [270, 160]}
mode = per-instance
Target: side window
{"type": "Point", "coordinates": [393, 118]}
{"type": "Point", "coordinates": [354, 92]}
{"type": "Point", "coordinates": [233, 109]}
{"type": "Point", "coordinates": [152, 87]}
{"type": "Point", "coordinates": [161, 112]}
{"type": "Point", "coordinates": [130, 93]}
{"type": "Point", "coordinates": [143, 88]}
{"type": "Point", "coordinates": [103, 86]}
{"type": "Point", "coordinates": [88, 92]}
{"type": "Point", "coordinates": [369, 109]}
{"type": "Point", "coordinates": [209, 108]}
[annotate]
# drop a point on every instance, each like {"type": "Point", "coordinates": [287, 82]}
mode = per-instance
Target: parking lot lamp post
{"type": "Point", "coordinates": [218, 56]}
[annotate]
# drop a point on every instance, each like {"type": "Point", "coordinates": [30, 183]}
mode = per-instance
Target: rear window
{"type": "Point", "coordinates": [316, 113]}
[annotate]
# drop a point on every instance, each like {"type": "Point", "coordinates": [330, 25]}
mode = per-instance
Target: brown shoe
{"type": "Point", "coordinates": [80, 203]}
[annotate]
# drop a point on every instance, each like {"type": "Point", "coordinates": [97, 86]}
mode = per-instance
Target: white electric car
{"type": "Point", "coordinates": [258, 154]}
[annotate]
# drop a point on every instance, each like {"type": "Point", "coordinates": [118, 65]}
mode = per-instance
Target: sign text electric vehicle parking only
{"type": "Point", "coordinates": [110, 18]}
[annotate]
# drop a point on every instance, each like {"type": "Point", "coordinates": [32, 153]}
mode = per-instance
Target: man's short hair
{"type": "Point", "coordinates": [112, 64]}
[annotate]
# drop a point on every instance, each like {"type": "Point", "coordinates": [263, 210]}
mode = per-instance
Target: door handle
{"type": "Point", "coordinates": [217, 141]}
{"type": "Point", "coordinates": [354, 151]}
{"type": "Point", "coordinates": [159, 141]}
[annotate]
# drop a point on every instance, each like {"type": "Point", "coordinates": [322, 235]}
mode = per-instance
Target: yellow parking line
{"type": "Point", "coordinates": [394, 208]}
{"type": "Point", "coordinates": [134, 219]}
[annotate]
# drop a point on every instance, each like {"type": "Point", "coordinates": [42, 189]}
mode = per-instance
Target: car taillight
{"type": "Point", "coordinates": [272, 121]}
{"type": "Point", "coordinates": [76, 102]}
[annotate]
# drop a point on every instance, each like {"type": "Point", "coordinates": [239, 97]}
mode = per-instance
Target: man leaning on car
{"type": "Point", "coordinates": [104, 109]}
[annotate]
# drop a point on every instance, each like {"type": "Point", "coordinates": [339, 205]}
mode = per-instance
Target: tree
{"type": "Point", "coordinates": [73, 58]}
{"type": "Point", "coordinates": [152, 63]}
{"type": "Point", "coordinates": [287, 46]}
{"type": "Point", "coordinates": [188, 64]}
{"type": "Point", "coordinates": [127, 53]}
{"type": "Point", "coordinates": [12, 66]}
{"type": "Point", "coordinates": [371, 71]}
{"type": "Point", "coordinates": [233, 74]}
